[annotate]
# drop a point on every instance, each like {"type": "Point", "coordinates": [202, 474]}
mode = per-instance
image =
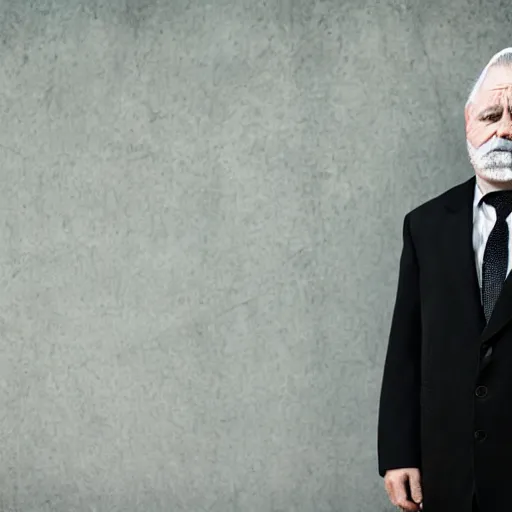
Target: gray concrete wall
{"type": "Point", "coordinates": [200, 210]}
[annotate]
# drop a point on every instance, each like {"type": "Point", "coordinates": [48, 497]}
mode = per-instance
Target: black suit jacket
{"type": "Point", "coordinates": [446, 396]}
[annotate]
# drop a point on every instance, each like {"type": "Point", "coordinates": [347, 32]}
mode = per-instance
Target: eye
{"type": "Point", "coordinates": [491, 117]}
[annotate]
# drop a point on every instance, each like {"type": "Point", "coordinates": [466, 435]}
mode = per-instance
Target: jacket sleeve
{"type": "Point", "coordinates": [398, 442]}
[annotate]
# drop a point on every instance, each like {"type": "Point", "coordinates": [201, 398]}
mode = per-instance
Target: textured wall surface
{"type": "Point", "coordinates": [200, 210]}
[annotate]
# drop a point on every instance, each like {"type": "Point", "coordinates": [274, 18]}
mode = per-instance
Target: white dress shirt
{"type": "Point", "coordinates": [484, 218]}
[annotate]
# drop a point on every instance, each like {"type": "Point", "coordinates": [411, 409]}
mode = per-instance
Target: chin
{"type": "Point", "coordinates": [496, 174]}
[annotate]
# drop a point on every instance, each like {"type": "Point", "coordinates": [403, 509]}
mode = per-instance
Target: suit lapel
{"type": "Point", "coordinates": [459, 254]}
{"type": "Point", "coordinates": [502, 312]}
{"type": "Point", "coordinates": [457, 244]}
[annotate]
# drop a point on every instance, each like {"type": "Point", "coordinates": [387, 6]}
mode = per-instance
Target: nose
{"type": "Point", "coordinates": [504, 128]}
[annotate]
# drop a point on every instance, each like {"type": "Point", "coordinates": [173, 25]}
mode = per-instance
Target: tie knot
{"type": "Point", "coordinates": [502, 202]}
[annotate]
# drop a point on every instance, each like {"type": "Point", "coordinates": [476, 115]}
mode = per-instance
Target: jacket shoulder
{"type": "Point", "coordinates": [451, 198]}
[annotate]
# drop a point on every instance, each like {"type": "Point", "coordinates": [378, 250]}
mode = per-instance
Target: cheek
{"type": "Point", "coordinates": [478, 133]}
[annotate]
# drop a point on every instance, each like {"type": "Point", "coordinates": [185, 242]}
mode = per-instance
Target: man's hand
{"type": "Point", "coordinates": [397, 483]}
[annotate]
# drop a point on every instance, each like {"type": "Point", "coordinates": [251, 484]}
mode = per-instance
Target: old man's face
{"type": "Point", "coordinates": [489, 126]}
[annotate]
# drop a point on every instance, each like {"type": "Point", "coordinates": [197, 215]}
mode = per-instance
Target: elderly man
{"type": "Point", "coordinates": [445, 414]}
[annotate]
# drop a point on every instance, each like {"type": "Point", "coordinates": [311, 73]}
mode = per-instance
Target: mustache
{"type": "Point", "coordinates": [494, 144]}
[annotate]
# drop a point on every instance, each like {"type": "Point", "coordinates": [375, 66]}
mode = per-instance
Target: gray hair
{"type": "Point", "coordinates": [502, 58]}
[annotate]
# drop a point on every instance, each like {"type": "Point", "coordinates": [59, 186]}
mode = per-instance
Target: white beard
{"type": "Point", "coordinates": [489, 164]}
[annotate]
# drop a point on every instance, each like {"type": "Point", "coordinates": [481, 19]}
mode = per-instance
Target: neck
{"type": "Point", "coordinates": [489, 186]}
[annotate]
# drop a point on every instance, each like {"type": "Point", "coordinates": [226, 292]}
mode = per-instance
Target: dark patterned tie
{"type": "Point", "coordinates": [494, 268]}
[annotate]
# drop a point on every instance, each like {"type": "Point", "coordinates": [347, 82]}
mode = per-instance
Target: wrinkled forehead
{"type": "Point", "coordinates": [496, 87]}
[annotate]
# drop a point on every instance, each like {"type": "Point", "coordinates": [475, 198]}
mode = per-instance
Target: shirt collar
{"type": "Point", "coordinates": [478, 196]}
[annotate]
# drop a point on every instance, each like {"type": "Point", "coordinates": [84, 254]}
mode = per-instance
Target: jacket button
{"type": "Point", "coordinates": [480, 435]}
{"type": "Point", "coordinates": [481, 391]}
